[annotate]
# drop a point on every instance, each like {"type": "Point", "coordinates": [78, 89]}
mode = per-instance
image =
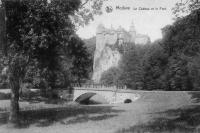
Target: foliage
{"type": "Point", "coordinates": [4, 96]}
{"type": "Point", "coordinates": [131, 68]}
{"type": "Point", "coordinates": [154, 66]}
{"type": "Point", "coordinates": [171, 63]}
{"type": "Point", "coordinates": [80, 60]}
{"type": "Point", "coordinates": [184, 7]}
{"type": "Point", "coordinates": [181, 43]}
{"type": "Point", "coordinates": [176, 66]}
{"type": "Point", "coordinates": [88, 9]}
{"type": "Point", "coordinates": [90, 45]}
{"type": "Point", "coordinates": [110, 77]}
{"type": "Point", "coordinates": [36, 33]}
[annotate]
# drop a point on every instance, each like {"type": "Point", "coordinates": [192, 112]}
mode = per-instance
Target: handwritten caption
{"type": "Point", "coordinates": [140, 8]}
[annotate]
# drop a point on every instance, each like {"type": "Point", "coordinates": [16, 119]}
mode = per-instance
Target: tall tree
{"type": "Point", "coordinates": [36, 31]}
{"type": "Point", "coordinates": [131, 66]}
{"type": "Point", "coordinates": [181, 43]}
{"type": "Point", "coordinates": [154, 68]}
{"type": "Point", "coordinates": [111, 76]}
{"type": "Point", "coordinates": [81, 63]}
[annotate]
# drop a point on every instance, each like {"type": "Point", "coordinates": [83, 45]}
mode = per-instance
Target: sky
{"type": "Point", "coordinates": [149, 22]}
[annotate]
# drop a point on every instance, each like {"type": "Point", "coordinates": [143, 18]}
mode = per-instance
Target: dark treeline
{"type": "Point", "coordinates": [51, 55]}
{"type": "Point", "coordinates": [39, 46]}
{"type": "Point", "coordinates": [172, 63]}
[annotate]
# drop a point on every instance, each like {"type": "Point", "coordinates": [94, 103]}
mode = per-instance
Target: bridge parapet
{"type": "Point", "coordinates": [111, 95]}
{"type": "Point", "coordinates": [98, 87]}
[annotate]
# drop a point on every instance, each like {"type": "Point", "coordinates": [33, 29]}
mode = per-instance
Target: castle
{"type": "Point", "coordinates": [120, 35]}
{"type": "Point", "coordinates": [105, 56]}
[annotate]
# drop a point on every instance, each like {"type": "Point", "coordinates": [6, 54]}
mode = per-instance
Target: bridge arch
{"type": "Point", "coordinates": [110, 95]}
{"type": "Point", "coordinates": [85, 98]}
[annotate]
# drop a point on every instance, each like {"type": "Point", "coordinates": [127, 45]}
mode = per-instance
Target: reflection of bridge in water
{"type": "Point", "coordinates": [112, 94]}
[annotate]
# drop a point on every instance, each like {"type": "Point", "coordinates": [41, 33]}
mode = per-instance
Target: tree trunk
{"type": "Point", "coordinates": [14, 101]}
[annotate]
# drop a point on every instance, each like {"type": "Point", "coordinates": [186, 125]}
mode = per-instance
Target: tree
{"type": "Point", "coordinates": [194, 72]}
{"type": "Point", "coordinates": [184, 7]}
{"type": "Point", "coordinates": [88, 9]}
{"type": "Point", "coordinates": [81, 63]}
{"type": "Point", "coordinates": [181, 43]}
{"type": "Point", "coordinates": [179, 78]}
{"type": "Point", "coordinates": [36, 32]}
{"type": "Point", "coordinates": [154, 68]}
{"type": "Point", "coordinates": [110, 77]}
{"type": "Point", "coordinates": [90, 45]}
{"type": "Point", "coordinates": [131, 67]}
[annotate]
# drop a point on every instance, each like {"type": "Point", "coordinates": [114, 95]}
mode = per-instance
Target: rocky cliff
{"type": "Point", "coordinates": [103, 60]}
{"type": "Point", "coordinates": [109, 43]}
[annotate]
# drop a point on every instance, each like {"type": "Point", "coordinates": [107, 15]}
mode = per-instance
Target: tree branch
{"type": "Point", "coordinates": [84, 3]}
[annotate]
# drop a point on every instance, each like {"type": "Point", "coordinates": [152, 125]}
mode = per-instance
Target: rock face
{"type": "Point", "coordinates": [108, 42]}
{"type": "Point", "coordinates": [104, 60]}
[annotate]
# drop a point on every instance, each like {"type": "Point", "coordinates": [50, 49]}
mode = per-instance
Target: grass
{"type": "Point", "coordinates": [65, 115]}
{"type": "Point", "coordinates": [4, 96]}
{"type": "Point", "coordinates": [154, 112]}
{"type": "Point", "coordinates": [183, 121]}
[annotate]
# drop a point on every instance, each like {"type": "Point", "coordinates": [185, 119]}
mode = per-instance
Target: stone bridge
{"type": "Point", "coordinates": [110, 94]}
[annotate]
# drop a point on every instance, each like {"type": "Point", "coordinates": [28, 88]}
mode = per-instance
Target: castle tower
{"type": "Point", "coordinates": [132, 32]}
{"type": "Point", "coordinates": [100, 35]}
{"type": "Point", "coordinates": [120, 36]}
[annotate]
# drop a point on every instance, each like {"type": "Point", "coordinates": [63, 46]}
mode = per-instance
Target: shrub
{"type": "Point", "coordinates": [4, 96]}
